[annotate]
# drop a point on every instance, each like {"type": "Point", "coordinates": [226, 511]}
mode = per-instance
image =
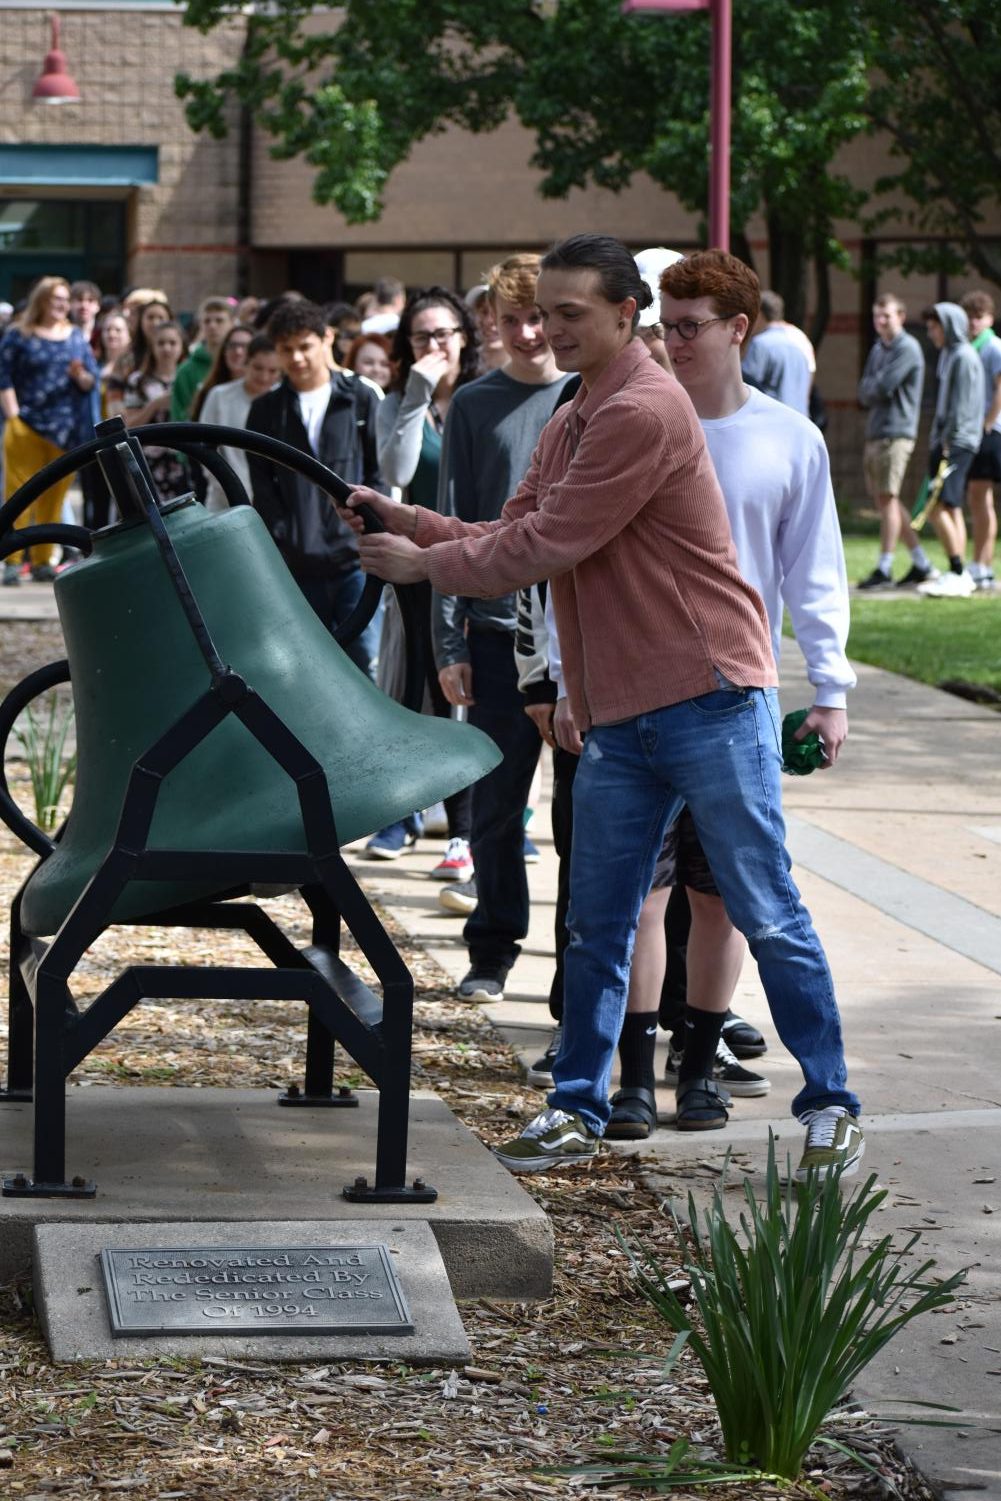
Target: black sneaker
{"type": "Point", "coordinates": [541, 1071]}
{"type": "Point", "coordinates": [484, 982]}
{"type": "Point", "coordinates": [727, 1071]}
{"type": "Point", "coordinates": [459, 897]}
{"type": "Point", "coordinates": [877, 579]}
{"type": "Point", "coordinates": [741, 1038]}
{"type": "Point", "coordinates": [916, 575]}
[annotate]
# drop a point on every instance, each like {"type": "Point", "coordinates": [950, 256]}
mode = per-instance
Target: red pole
{"type": "Point", "coordinates": [719, 116]}
{"type": "Point", "coordinates": [719, 104]}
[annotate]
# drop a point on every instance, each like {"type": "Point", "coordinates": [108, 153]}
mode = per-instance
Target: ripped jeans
{"type": "Point", "coordinates": [719, 753]}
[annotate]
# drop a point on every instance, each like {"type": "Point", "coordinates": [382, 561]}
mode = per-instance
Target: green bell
{"type": "Point", "coordinates": [136, 668]}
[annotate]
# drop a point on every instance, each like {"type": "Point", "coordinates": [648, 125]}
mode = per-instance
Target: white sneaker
{"type": "Point", "coordinates": [949, 586]}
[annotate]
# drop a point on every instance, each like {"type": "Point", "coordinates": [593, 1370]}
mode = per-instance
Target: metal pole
{"type": "Point", "coordinates": [721, 14]}
{"type": "Point", "coordinates": [719, 116]}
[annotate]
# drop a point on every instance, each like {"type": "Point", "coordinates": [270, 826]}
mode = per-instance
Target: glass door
{"type": "Point", "coordinates": [75, 238]}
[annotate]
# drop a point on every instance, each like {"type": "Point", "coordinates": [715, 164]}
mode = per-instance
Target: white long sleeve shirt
{"type": "Point", "coordinates": [228, 406]}
{"type": "Point", "coordinates": [775, 475]}
{"type": "Point", "coordinates": [774, 472]}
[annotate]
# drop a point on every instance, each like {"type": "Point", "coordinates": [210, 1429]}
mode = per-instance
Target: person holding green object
{"type": "Point", "coordinates": [773, 470]}
{"type": "Point", "coordinates": [669, 667]}
{"type": "Point", "coordinates": [801, 756]}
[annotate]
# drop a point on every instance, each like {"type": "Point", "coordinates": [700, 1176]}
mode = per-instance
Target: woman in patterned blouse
{"type": "Point", "coordinates": [47, 375]}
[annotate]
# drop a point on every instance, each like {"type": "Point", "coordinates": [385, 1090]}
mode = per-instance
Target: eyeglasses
{"type": "Point", "coordinates": [689, 328]}
{"type": "Point", "coordinates": [438, 335]}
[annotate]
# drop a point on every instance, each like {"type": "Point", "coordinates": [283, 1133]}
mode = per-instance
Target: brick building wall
{"type": "Point", "coordinates": [459, 203]}
{"type": "Point", "coordinates": [181, 230]}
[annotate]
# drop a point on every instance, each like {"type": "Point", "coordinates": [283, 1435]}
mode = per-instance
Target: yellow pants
{"type": "Point", "coordinates": [24, 453]}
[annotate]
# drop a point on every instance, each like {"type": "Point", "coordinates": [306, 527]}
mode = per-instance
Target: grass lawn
{"type": "Point", "coordinates": [927, 639]}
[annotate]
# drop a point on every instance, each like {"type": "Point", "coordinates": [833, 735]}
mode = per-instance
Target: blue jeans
{"type": "Point", "coordinates": [719, 753]}
{"type": "Point", "coordinates": [333, 599]}
{"type": "Point", "coordinates": [497, 837]}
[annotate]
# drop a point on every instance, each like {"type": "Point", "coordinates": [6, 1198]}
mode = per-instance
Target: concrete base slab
{"type": "Point", "coordinates": [222, 1156]}
{"type": "Point", "coordinates": [72, 1304]}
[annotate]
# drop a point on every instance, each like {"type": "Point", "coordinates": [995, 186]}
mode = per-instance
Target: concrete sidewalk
{"type": "Point", "coordinates": [898, 855]}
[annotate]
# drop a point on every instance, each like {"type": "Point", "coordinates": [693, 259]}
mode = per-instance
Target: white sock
{"type": "Point", "coordinates": [885, 564]}
{"type": "Point", "coordinates": [976, 570]}
{"type": "Point", "coordinates": [919, 557]}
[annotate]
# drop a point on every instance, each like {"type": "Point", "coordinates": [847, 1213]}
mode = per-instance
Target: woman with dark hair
{"type": "Point", "coordinates": [229, 364]}
{"type": "Point", "coordinates": [228, 405]}
{"type": "Point", "coordinates": [147, 399]}
{"type": "Point", "coordinates": [47, 376]}
{"type": "Point", "coordinates": [434, 352]}
{"type": "Point", "coordinates": [146, 318]}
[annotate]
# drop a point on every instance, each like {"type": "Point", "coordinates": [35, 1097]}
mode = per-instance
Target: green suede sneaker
{"type": "Point", "coordinates": [833, 1139]}
{"type": "Point", "coordinates": [553, 1139]}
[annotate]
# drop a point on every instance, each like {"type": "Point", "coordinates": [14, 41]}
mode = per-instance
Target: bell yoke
{"type": "Point", "coordinates": [218, 728]}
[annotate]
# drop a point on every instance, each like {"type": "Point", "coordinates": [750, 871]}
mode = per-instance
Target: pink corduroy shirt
{"type": "Point", "coordinates": [621, 511]}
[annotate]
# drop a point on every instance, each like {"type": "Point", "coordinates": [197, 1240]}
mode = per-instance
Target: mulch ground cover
{"type": "Point", "coordinates": [558, 1383]}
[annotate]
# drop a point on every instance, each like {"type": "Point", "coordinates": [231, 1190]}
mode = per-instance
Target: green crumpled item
{"type": "Point", "coordinates": [800, 757]}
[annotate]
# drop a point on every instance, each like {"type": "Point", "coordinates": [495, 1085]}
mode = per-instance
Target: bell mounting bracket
{"type": "Point", "coordinates": [49, 1037]}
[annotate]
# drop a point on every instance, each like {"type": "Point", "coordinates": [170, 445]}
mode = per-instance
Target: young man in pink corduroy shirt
{"type": "Point", "coordinates": [669, 673]}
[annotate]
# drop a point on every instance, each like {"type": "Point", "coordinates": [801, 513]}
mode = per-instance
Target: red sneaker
{"type": "Point", "coordinates": [457, 864]}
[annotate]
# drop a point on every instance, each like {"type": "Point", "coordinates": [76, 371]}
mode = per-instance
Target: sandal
{"type": "Point", "coordinates": [634, 1115]}
{"type": "Point", "coordinates": [701, 1106]}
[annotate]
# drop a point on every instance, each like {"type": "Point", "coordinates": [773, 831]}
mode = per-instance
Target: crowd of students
{"type": "Point", "coordinates": [671, 498]}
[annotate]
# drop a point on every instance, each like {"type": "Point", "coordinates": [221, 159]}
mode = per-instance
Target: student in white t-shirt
{"type": "Point", "coordinates": [330, 413]}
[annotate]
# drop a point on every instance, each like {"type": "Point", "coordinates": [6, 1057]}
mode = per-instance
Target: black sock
{"type": "Point", "coordinates": [636, 1045]}
{"type": "Point", "coordinates": [703, 1030]}
{"type": "Point", "coordinates": [956, 564]}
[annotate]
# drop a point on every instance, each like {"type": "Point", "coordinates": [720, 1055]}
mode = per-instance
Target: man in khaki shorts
{"type": "Point", "coordinates": [891, 387]}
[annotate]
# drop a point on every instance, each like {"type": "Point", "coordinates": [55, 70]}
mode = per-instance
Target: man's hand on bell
{"type": "Point", "coordinates": [395, 559]}
{"type": "Point", "coordinates": [398, 519]}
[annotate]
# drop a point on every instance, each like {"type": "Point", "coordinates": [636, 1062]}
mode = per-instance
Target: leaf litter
{"type": "Point", "coordinates": [554, 1383]}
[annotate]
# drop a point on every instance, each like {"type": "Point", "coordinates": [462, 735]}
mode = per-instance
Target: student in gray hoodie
{"type": "Point", "coordinates": [956, 431]}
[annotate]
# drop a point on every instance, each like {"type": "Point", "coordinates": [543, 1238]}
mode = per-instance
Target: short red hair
{"type": "Point", "coordinates": [730, 284]}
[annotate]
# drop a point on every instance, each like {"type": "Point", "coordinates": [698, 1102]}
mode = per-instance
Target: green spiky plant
{"type": "Point", "coordinates": [792, 1305]}
{"type": "Point", "coordinates": [42, 739]}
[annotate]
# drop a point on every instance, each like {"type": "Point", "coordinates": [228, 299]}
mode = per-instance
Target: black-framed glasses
{"type": "Point", "coordinates": [689, 328]}
{"type": "Point", "coordinates": [438, 335]}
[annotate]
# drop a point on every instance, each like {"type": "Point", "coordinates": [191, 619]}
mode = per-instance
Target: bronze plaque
{"type": "Point", "coordinates": [254, 1290]}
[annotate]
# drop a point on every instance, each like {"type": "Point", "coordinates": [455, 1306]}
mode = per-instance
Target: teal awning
{"type": "Point", "coordinates": [78, 166]}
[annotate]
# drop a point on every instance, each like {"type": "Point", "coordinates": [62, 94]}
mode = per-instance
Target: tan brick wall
{"type": "Point", "coordinates": [475, 195]}
{"type": "Point", "coordinates": [458, 189]}
{"type": "Point", "coordinates": [183, 231]}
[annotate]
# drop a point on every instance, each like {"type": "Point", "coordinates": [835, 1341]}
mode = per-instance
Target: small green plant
{"type": "Point", "coordinates": [43, 742]}
{"type": "Point", "coordinates": [791, 1308]}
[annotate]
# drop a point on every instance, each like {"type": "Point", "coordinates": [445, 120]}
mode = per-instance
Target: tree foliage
{"type": "Point", "coordinates": [938, 98]}
{"type": "Point", "coordinates": [606, 97]}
